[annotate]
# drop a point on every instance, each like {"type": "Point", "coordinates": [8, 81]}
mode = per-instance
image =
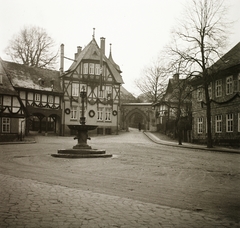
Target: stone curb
{"type": "Point", "coordinates": [17, 142]}
{"type": "Point", "coordinates": [194, 146]}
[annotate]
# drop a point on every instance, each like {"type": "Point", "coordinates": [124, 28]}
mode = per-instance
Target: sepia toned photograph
{"type": "Point", "coordinates": [120, 114]}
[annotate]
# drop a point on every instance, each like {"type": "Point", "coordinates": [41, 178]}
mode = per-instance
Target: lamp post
{"type": "Point", "coordinates": [83, 95]}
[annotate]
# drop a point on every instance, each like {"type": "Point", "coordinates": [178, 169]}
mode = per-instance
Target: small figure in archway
{"type": "Point", "coordinates": [139, 126]}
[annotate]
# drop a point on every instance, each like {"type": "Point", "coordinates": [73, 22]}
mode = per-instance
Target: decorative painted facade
{"type": "Point", "coordinates": [224, 90]}
{"type": "Point", "coordinates": [100, 77]}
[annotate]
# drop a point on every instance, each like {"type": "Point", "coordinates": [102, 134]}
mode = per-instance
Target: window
{"type": "Point", "coordinates": [85, 68]}
{"type": "Point", "coordinates": [219, 88]}
{"type": "Point", "coordinates": [100, 93]}
{"type": "Point", "coordinates": [97, 69]}
{"type": "Point", "coordinates": [108, 92]}
{"type": "Point", "coordinates": [1, 79]}
{"type": "Point", "coordinates": [229, 85]}
{"type": "Point", "coordinates": [75, 89]}
{"type": "Point", "coordinates": [239, 122]}
{"type": "Point", "coordinates": [108, 114]}
{"type": "Point", "coordinates": [100, 114]}
{"type": "Point", "coordinates": [218, 124]}
{"type": "Point", "coordinates": [50, 99]}
{"type": "Point", "coordinates": [5, 125]}
{"type": "Point", "coordinates": [37, 97]}
{"type": "Point", "coordinates": [73, 113]}
{"type": "Point", "coordinates": [229, 122]}
{"type": "Point", "coordinates": [200, 125]}
{"type": "Point", "coordinates": [199, 94]}
{"type": "Point", "coordinates": [91, 68]}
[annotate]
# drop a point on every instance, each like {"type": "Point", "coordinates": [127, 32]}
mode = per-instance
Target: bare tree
{"type": "Point", "coordinates": [199, 40]}
{"type": "Point", "coordinates": [153, 82]}
{"type": "Point", "coordinates": [32, 46]}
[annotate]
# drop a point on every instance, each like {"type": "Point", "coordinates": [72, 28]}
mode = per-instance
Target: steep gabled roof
{"type": "Point", "coordinates": [230, 59]}
{"type": "Point", "coordinates": [23, 76]}
{"type": "Point", "coordinates": [92, 51]}
{"type": "Point", "coordinates": [6, 86]}
{"type": "Point", "coordinates": [112, 61]}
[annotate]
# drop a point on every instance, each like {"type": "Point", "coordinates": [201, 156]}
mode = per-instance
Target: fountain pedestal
{"type": "Point", "coordinates": [81, 149]}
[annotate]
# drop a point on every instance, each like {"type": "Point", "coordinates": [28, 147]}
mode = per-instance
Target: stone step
{"type": "Point", "coordinates": [81, 151]}
{"type": "Point", "coordinates": [82, 155]}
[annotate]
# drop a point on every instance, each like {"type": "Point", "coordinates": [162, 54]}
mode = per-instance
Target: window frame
{"type": "Point", "coordinates": [218, 123]}
{"type": "Point", "coordinates": [239, 122]}
{"type": "Point", "coordinates": [108, 114]}
{"type": "Point", "coordinates": [37, 97]}
{"type": "Point", "coordinates": [75, 89]}
{"type": "Point", "coordinates": [229, 85]}
{"type": "Point", "coordinates": [218, 85]}
{"type": "Point", "coordinates": [97, 69]}
{"type": "Point", "coordinates": [100, 114]}
{"type": "Point", "coordinates": [200, 125]}
{"type": "Point", "coordinates": [6, 124]}
{"type": "Point", "coordinates": [91, 68]}
{"type": "Point", "coordinates": [229, 122]}
{"type": "Point", "coordinates": [73, 113]}
{"type": "Point", "coordinates": [85, 68]}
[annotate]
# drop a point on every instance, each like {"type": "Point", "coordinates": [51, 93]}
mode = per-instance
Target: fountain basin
{"type": "Point", "coordinates": [82, 149]}
{"type": "Point", "coordinates": [79, 127]}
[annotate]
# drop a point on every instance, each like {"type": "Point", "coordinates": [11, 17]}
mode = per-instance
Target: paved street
{"type": "Point", "coordinates": [143, 185]}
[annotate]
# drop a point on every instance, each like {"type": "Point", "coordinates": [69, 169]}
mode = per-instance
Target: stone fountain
{"type": "Point", "coordinates": [82, 149]}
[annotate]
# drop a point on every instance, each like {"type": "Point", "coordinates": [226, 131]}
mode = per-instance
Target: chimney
{"type": "Point", "coordinates": [79, 49]}
{"type": "Point", "coordinates": [102, 45]}
{"type": "Point", "coordinates": [62, 59]}
{"type": "Point", "coordinates": [176, 77]}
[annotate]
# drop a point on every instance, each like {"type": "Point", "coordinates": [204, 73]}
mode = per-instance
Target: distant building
{"type": "Point", "coordinates": [174, 109]}
{"type": "Point", "coordinates": [224, 91]}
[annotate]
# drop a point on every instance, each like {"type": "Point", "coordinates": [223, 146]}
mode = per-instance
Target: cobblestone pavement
{"type": "Point", "coordinates": [144, 185]}
{"type": "Point", "coordinates": [28, 203]}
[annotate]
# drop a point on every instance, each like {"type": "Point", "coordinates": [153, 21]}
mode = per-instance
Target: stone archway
{"type": "Point", "coordinates": [133, 113]}
{"type": "Point", "coordinates": [134, 117]}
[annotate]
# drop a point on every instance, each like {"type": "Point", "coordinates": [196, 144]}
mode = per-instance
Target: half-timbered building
{"type": "Point", "coordinates": [40, 93]}
{"type": "Point", "coordinates": [12, 110]}
{"type": "Point", "coordinates": [101, 78]}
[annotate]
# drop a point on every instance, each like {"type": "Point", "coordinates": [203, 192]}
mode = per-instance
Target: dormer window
{"type": "Point", "coordinates": [41, 81]}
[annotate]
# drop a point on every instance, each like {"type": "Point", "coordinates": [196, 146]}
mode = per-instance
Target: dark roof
{"type": "Point", "coordinates": [113, 63]}
{"type": "Point", "coordinates": [23, 76]}
{"type": "Point", "coordinates": [230, 59]}
{"type": "Point", "coordinates": [92, 51]}
{"type": "Point", "coordinates": [6, 86]}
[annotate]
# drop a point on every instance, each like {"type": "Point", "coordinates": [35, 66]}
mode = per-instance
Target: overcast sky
{"type": "Point", "coordinates": [137, 29]}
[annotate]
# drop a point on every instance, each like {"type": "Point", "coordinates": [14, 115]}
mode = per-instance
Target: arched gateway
{"type": "Point", "coordinates": [135, 114]}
